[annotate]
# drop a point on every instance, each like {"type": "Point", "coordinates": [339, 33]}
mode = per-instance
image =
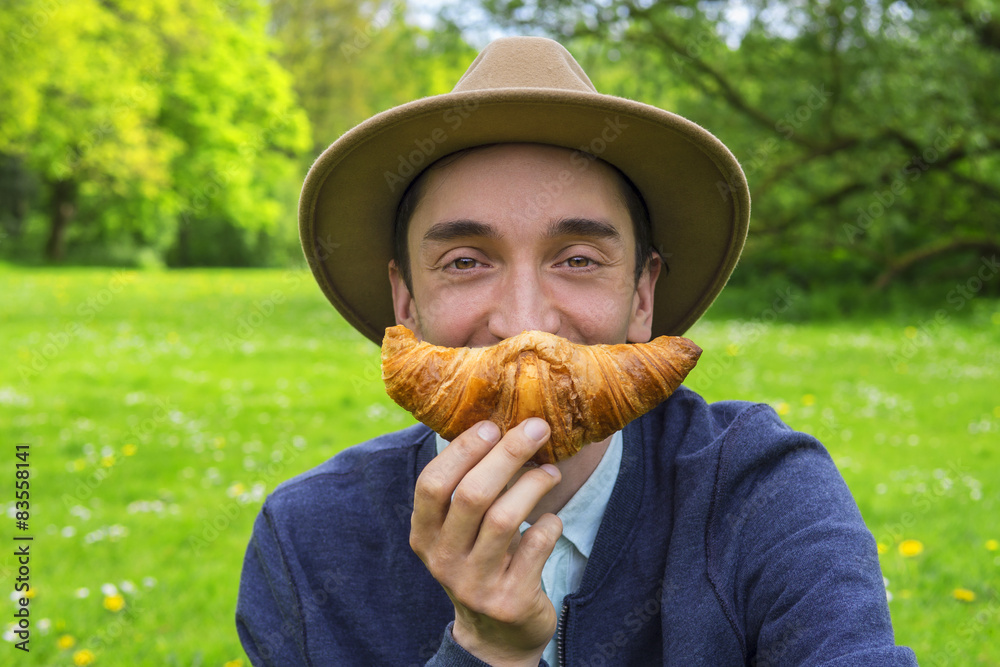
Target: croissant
{"type": "Point", "coordinates": [584, 392]}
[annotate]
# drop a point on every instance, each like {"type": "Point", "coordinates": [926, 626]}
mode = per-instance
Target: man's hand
{"type": "Point", "coordinates": [471, 542]}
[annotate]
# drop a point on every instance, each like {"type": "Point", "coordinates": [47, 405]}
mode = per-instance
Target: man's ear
{"type": "Point", "coordinates": [403, 306]}
{"type": "Point", "coordinates": [640, 328]}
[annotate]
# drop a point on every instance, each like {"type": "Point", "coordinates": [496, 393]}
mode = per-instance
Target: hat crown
{"type": "Point", "coordinates": [525, 62]}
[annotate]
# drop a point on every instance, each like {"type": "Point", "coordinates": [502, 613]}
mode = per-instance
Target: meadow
{"type": "Point", "coordinates": [160, 408]}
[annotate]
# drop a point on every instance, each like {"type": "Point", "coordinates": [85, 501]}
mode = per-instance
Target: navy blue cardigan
{"type": "Point", "coordinates": [729, 539]}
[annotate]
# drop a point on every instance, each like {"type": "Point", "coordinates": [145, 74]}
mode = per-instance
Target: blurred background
{"type": "Point", "coordinates": [169, 359]}
{"type": "Point", "coordinates": [176, 133]}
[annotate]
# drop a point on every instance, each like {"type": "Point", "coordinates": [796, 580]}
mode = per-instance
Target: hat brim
{"type": "Point", "coordinates": [696, 193]}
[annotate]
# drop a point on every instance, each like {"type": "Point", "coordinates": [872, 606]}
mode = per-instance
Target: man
{"type": "Point", "coordinates": [699, 534]}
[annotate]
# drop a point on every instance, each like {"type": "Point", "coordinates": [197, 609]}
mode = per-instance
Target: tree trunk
{"type": "Point", "coordinates": [63, 210]}
{"type": "Point", "coordinates": [183, 242]}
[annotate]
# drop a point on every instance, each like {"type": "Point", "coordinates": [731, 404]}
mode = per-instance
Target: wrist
{"type": "Point", "coordinates": [496, 653]}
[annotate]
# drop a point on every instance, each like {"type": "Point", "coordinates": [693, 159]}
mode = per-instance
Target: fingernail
{"type": "Point", "coordinates": [489, 432]}
{"type": "Point", "coordinates": [536, 429]}
{"type": "Point", "coordinates": [551, 469]}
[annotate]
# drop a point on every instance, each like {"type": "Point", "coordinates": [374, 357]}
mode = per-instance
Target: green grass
{"type": "Point", "coordinates": [162, 407]}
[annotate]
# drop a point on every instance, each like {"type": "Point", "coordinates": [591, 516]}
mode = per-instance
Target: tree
{"type": "Point", "coordinates": [351, 60]}
{"type": "Point", "coordinates": [867, 129]}
{"type": "Point", "coordinates": [143, 118]}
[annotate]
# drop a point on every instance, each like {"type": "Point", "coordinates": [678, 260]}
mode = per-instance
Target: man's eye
{"type": "Point", "coordinates": [579, 262]}
{"type": "Point", "coordinates": [464, 263]}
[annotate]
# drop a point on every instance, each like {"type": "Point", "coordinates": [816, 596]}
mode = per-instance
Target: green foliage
{"type": "Point", "coordinates": [144, 117]}
{"type": "Point", "coordinates": [161, 407]}
{"type": "Point", "coordinates": [352, 60]}
{"type": "Point", "coordinates": [867, 129]}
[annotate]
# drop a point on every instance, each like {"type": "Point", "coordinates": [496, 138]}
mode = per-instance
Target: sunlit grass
{"type": "Point", "coordinates": [162, 407]}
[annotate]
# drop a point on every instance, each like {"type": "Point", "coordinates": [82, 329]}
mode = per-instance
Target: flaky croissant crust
{"type": "Point", "coordinates": [584, 392]}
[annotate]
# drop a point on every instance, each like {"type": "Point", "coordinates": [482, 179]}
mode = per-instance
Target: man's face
{"type": "Point", "coordinates": [518, 237]}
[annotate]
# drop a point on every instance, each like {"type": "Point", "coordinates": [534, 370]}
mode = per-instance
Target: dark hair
{"type": "Point", "coordinates": [629, 194]}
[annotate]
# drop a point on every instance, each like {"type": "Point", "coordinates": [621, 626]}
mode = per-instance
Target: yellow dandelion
{"type": "Point", "coordinates": [910, 548]}
{"type": "Point", "coordinates": [65, 642]}
{"type": "Point", "coordinates": [114, 602]}
{"type": "Point", "coordinates": [732, 349]}
{"type": "Point", "coordinates": [237, 489]}
{"type": "Point", "coordinates": [234, 663]}
{"type": "Point", "coordinates": [963, 594]}
{"type": "Point", "coordinates": [783, 408]}
{"type": "Point", "coordinates": [808, 399]}
{"type": "Point", "coordinates": [83, 658]}
{"type": "Point", "coordinates": [910, 332]}
{"type": "Point", "coordinates": [882, 548]}
{"type": "Point", "coordinates": [107, 461]}
{"type": "Point", "coordinates": [992, 545]}
{"type": "Point", "coordinates": [129, 449]}
{"type": "Point", "coordinates": [30, 593]}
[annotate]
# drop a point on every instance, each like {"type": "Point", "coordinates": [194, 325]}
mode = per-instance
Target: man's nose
{"type": "Point", "coordinates": [523, 305]}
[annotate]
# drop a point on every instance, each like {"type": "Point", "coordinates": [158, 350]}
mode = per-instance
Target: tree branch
{"type": "Point", "coordinates": [933, 249]}
{"type": "Point", "coordinates": [830, 199]}
{"type": "Point", "coordinates": [725, 88]}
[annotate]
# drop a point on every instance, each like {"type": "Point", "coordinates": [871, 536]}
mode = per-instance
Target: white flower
{"type": "Point", "coordinates": [127, 586]}
{"type": "Point", "coordinates": [149, 582]}
{"type": "Point", "coordinates": [82, 593]}
{"type": "Point", "coordinates": [109, 590]}
{"type": "Point", "coordinates": [95, 536]}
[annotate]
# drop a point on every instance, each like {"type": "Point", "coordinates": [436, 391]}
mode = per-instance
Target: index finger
{"type": "Point", "coordinates": [480, 488]}
{"type": "Point", "coordinates": [440, 478]}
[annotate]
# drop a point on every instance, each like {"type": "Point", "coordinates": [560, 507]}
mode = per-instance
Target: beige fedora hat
{"type": "Point", "coordinates": [531, 90]}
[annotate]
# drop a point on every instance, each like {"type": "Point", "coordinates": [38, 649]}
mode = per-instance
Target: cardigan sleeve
{"type": "Point", "coordinates": [451, 654]}
{"type": "Point", "coordinates": [790, 557]}
{"type": "Point", "coordinates": [269, 618]}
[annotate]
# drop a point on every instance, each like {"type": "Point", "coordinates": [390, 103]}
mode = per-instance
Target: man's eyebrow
{"type": "Point", "coordinates": [586, 227]}
{"type": "Point", "coordinates": [459, 229]}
